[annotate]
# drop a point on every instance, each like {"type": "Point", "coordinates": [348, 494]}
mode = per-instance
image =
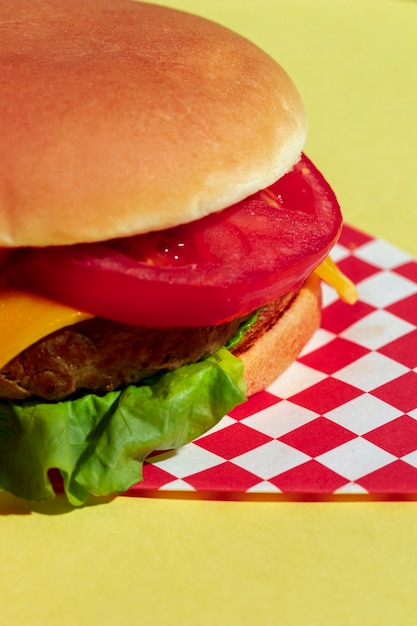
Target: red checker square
{"type": "Point", "coordinates": [254, 404]}
{"type": "Point", "coordinates": [310, 477]}
{"type": "Point", "coordinates": [334, 355]}
{"type": "Point", "coordinates": [408, 270]}
{"type": "Point", "coordinates": [326, 395]}
{"type": "Point", "coordinates": [352, 238]}
{"type": "Point", "coordinates": [406, 309]}
{"type": "Point", "coordinates": [395, 478]}
{"type": "Point", "coordinates": [400, 392]}
{"type": "Point", "coordinates": [232, 440]}
{"type": "Point", "coordinates": [357, 269]}
{"type": "Point", "coordinates": [154, 477]}
{"type": "Point", "coordinates": [317, 437]}
{"type": "Point", "coordinates": [398, 437]}
{"type": "Point", "coordinates": [403, 350]}
{"type": "Point", "coordinates": [338, 316]}
{"type": "Point", "coordinates": [223, 477]}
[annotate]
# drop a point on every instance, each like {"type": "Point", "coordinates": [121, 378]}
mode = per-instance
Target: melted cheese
{"type": "Point", "coordinates": [25, 318]}
{"type": "Point", "coordinates": [331, 274]}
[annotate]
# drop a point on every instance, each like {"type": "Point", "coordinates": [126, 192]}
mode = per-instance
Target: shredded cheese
{"type": "Point", "coordinates": [331, 274]}
{"type": "Point", "coordinates": [270, 198]}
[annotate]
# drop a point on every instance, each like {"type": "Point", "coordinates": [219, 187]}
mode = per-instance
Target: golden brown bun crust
{"type": "Point", "coordinates": [118, 117]}
{"type": "Point", "coordinates": [275, 350]}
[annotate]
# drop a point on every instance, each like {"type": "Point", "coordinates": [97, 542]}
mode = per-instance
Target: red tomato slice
{"type": "Point", "coordinates": [197, 274]}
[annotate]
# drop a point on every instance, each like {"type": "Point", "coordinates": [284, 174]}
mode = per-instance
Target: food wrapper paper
{"type": "Point", "coordinates": [342, 419]}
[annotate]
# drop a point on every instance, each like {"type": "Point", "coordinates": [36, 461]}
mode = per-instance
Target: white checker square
{"type": "Point", "coordinates": [363, 414]}
{"type": "Point", "coordinates": [225, 422]}
{"type": "Point", "coordinates": [410, 458]}
{"type": "Point", "coordinates": [356, 458]}
{"type": "Point", "coordinates": [177, 485]}
{"type": "Point", "coordinates": [385, 288]}
{"type": "Point", "coordinates": [339, 252]}
{"type": "Point", "coordinates": [279, 419]}
{"type": "Point", "coordinates": [320, 338]}
{"type": "Point", "coordinates": [371, 371]}
{"type": "Point", "coordinates": [264, 486]}
{"type": "Point", "coordinates": [187, 460]}
{"type": "Point", "coordinates": [328, 294]}
{"type": "Point", "coordinates": [377, 329]}
{"type": "Point", "coordinates": [383, 254]}
{"type": "Point", "coordinates": [271, 459]}
{"type": "Point", "coordinates": [295, 379]}
{"type": "Point", "coordinates": [351, 488]}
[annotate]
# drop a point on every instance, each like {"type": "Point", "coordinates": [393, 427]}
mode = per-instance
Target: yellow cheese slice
{"type": "Point", "coordinates": [331, 274]}
{"type": "Point", "coordinates": [25, 318]}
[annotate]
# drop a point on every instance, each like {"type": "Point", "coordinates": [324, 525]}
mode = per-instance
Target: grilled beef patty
{"type": "Point", "coordinates": [99, 355]}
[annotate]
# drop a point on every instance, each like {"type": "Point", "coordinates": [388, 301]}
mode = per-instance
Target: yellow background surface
{"type": "Point", "coordinates": [171, 561]}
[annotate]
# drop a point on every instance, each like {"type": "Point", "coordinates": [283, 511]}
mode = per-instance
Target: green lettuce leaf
{"type": "Point", "coordinates": [99, 443]}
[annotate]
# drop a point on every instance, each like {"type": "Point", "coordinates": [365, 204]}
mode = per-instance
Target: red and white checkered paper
{"type": "Point", "coordinates": [342, 419]}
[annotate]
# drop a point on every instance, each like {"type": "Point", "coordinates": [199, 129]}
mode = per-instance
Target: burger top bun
{"type": "Point", "coordinates": [118, 117]}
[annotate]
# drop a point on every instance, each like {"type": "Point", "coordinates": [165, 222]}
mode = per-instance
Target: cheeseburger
{"type": "Point", "coordinates": [162, 236]}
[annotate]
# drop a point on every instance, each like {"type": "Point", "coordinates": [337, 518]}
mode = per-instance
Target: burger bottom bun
{"type": "Point", "coordinates": [274, 351]}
